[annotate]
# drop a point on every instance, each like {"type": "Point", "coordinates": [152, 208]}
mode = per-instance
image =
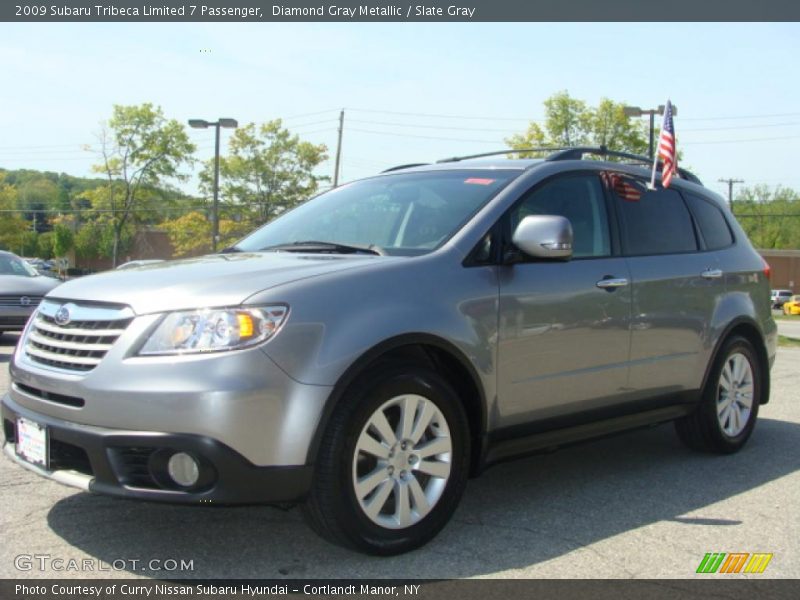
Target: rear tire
{"type": "Point", "coordinates": [393, 462]}
{"type": "Point", "coordinates": [727, 413]}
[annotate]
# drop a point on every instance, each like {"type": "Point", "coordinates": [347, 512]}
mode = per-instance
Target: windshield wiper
{"type": "Point", "coordinates": [315, 246]}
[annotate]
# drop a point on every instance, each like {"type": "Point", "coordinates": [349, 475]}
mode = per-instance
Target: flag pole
{"type": "Point", "coordinates": [652, 184]}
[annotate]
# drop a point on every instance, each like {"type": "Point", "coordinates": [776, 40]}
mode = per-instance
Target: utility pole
{"type": "Point", "coordinates": [730, 183]}
{"type": "Point", "coordinates": [338, 150]}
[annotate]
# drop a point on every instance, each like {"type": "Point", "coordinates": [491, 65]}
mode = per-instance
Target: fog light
{"type": "Point", "coordinates": [183, 469]}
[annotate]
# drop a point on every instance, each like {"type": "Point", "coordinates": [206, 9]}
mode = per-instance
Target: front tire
{"type": "Point", "coordinates": [726, 416]}
{"type": "Point", "coordinates": [393, 463]}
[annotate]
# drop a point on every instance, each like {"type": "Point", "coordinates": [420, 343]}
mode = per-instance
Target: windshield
{"type": "Point", "coordinates": [402, 214]}
{"type": "Point", "coordinates": [11, 265]}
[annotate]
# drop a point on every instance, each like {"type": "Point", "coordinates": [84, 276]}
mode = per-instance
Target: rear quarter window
{"type": "Point", "coordinates": [712, 223]}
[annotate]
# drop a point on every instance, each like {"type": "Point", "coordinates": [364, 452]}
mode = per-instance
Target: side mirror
{"type": "Point", "coordinates": [544, 236]}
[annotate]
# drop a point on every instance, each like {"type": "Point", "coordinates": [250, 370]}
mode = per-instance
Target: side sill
{"type": "Point", "coordinates": [509, 449]}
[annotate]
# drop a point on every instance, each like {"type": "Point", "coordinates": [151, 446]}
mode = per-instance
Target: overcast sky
{"type": "Point", "coordinates": [412, 92]}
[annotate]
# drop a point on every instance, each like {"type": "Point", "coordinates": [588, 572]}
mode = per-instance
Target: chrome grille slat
{"type": "Point", "coordinates": [43, 325]}
{"type": "Point", "coordinates": [61, 358]}
{"type": "Point", "coordinates": [17, 300]}
{"type": "Point", "coordinates": [79, 344]}
{"type": "Point", "coordinates": [67, 345]}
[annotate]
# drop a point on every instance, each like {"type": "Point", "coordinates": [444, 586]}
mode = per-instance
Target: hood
{"type": "Point", "coordinates": [214, 280]}
{"type": "Point", "coordinates": [17, 285]}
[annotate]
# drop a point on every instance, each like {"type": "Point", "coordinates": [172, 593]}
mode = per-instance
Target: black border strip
{"type": "Point", "coordinates": [399, 11]}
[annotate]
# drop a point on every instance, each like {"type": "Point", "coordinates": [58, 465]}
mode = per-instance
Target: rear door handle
{"type": "Point", "coordinates": [711, 274]}
{"type": "Point", "coordinates": [611, 283]}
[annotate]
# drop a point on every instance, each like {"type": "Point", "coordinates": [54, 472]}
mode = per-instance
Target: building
{"type": "Point", "coordinates": [785, 266]}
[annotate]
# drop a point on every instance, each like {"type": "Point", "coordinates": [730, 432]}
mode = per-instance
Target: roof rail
{"type": "Point", "coordinates": [576, 153]}
{"type": "Point", "coordinates": [408, 166]}
{"type": "Point", "coordinates": [498, 153]}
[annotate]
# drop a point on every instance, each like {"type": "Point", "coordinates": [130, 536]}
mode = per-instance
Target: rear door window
{"type": "Point", "coordinates": [654, 221]}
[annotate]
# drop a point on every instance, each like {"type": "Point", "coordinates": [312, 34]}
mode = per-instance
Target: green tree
{"type": "Point", "coordinates": [140, 149]}
{"type": "Point", "coordinates": [44, 245]}
{"type": "Point", "coordinates": [38, 197]}
{"type": "Point", "coordinates": [571, 122]}
{"type": "Point", "coordinates": [12, 225]}
{"type": "Point", "coordinates": [63, 240]}
{"type": "Point", "coordinates": [267, 171]}
{"type": "Point", "coordinates": [191, 233]}
{"type": "Point", "coordinates": [769, 216]}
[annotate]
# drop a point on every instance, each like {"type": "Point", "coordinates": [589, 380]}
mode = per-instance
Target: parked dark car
{"type": "Point", "coordinates": [21, 290]}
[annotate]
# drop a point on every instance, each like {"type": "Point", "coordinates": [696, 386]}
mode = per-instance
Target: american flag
{"type": "Point", "coordinates": [666, 147]}
{"type": "Point", "coordinates": [624, 187]}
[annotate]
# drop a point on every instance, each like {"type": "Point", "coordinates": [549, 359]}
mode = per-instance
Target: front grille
{"type": "Point", "coordinates": [82, 342]}
{"type": "Point", "coordinates": [20, 300]}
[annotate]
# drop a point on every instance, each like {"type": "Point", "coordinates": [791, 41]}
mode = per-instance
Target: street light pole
{"type": "Point", "coordinates": [215, 205]}
{"type": "Point", "coordinates": [219, 123]}
{"type": "Point", "coordinates": [635, 111]}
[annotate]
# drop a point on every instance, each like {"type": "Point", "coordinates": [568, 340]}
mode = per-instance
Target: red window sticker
{"type": "Point", "coordinates": [479, 181]}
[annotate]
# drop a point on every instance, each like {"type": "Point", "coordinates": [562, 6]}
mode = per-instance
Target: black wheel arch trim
{"type": "Point", "coordinates": [359, 366]}
{"type": "Point", "coordinates": [760, 349]}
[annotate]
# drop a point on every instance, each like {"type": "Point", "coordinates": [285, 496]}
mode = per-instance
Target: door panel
{"type": "Point", "coordinates": [675, 288]}
{"type": "Point", "coordinates": [564, 342]}
{"type": "Point", "coordinates": [672, 308]}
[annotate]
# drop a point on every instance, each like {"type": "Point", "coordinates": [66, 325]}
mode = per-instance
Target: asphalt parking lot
{"type": "Point", "coordinates": [637, 505]}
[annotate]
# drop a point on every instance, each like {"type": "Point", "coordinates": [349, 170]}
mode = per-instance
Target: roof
{"type": "Point", "coordinates": [500, 160]}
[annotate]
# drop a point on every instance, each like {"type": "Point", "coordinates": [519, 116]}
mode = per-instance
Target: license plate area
{"type": "Point", "coordinates": [33, 442]}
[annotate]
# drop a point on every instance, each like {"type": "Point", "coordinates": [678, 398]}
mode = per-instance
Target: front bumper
{"type": "Point", "coordinates": [131, 464]}
{"type": "Point", "coordinates": [240, 398]}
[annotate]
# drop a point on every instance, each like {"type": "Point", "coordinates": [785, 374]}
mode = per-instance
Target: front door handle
{"type": "Point", "coordinates": [711, 274]}
{"type": "Point", "coordinates": [612, 283]}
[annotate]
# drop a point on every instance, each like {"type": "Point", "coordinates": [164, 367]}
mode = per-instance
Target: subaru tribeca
{"type": "Point", "coordinates": [368, 351]}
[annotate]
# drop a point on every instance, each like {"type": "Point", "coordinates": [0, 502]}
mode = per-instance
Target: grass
{"type": "Point", "coordinates": [787, 342]}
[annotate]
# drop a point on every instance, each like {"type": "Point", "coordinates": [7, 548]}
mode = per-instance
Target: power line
{"type": "Point", "coordinates": [311, 114]}
{"type": "Point", "coordinates": [741, 127]}
{"type": "Point", "coordinates": [395, 124]}
{"type": "Point", "coordinates": [423, 137]}
{"type": "Point", "coordinates": [740, 117]}
{"type": "Point", "coordinates": [440, 116]}
{"type": "Point", "coordinates": [743, 141]}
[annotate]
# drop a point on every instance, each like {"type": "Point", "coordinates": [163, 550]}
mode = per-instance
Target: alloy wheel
{"type": "Point", "coordinates": [735, 394]}
{"type": "Point", "coordinates": [402, 461]}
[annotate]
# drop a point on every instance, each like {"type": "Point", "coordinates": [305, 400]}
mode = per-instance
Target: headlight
{"type": "Point", "coordinates": [214, 330]}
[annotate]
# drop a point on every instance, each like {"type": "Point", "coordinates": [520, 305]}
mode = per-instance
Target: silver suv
{"type": "Point", "coordinates": [367, 352]}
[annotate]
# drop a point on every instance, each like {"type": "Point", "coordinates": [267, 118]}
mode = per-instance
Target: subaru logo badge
{"type": "Point", "coordinates": [25, 301]}
{"type": "Point", "coordinates": [62, 316]}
